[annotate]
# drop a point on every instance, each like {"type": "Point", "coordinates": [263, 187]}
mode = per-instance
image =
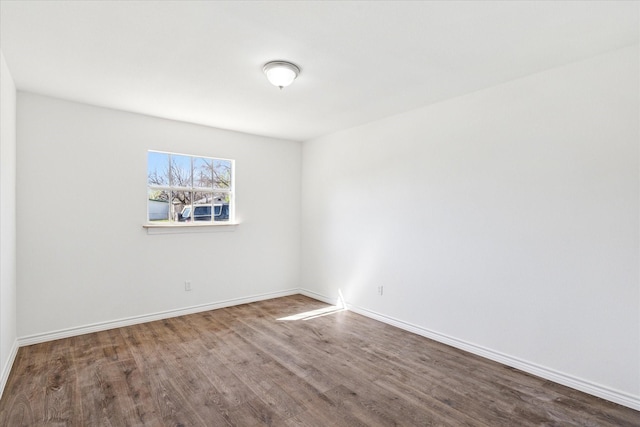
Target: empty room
{"type": "Point", "coordinates": [319, 213]}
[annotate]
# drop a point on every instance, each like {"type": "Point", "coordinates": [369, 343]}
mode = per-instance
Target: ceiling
{"type": "Point", "coordinates": [201, 62]}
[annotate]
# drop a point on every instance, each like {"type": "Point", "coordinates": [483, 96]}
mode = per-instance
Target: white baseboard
{"type": "Point", "coordinates": [6, 369]}
{"type": "Point", "coordinates": [317, 296]}
{"type": "Point", "coordinates": [540, 371]}
{"type": "Point", "coordinates": [134, 320]}
{"type": "Point", "coordinates": [598, 390]}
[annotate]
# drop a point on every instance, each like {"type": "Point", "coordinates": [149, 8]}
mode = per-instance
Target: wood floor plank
{"type": "Point", "coordinates": [171, 404]}
{"type": "Point", "coordinates": [19, 412]}
{"type": "Point", "coordinates": [101, 389]}
{"type": "Point", "coordinates": [24, 391]}
{"type": "Point", "coordinates": [254, 412]}
{"type": "Point", "coordinates": [246, 365]}
{"type": "Point", "coordinates": [233, 392]}
{"type": "Point", "coordinates": [60, 401]}
{"type": "Point", "coordinates": [360, 406]}
{"type": "Point", "coordinates": [199, 395]}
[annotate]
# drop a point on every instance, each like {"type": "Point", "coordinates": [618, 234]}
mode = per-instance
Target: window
{"type": "Point", "coordinates": [188, 189]}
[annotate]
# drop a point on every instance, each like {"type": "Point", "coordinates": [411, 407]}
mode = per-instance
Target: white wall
{"type": "Point", "coordinates": [79, 263]}
{"type": "Point", "coordinates": [506, 219]}
{"type": "Point", "coordinates": [7, 221]}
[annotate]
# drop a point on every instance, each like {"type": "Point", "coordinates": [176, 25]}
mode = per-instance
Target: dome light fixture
{"type": "Point", "coordinates": [281, 73]}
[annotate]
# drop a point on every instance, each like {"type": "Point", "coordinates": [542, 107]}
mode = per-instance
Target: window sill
{"type": "Point", "coordinates": [190, 228]}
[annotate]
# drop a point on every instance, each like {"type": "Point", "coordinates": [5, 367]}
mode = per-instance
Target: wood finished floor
{"type": "Point", "coordinates": [242, 366]}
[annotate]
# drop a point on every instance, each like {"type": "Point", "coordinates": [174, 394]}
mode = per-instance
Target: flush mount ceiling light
{"type": "Point", "coordinates": [281, 73]}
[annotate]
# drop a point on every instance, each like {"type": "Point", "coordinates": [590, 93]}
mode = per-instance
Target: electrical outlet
{"type": "Point", "coordinates": [380, 289]}
{"type": "Point", "coordinates": [187, 285]}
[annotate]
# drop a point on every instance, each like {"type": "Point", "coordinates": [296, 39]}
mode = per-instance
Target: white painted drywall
{"type": "Point", "coordinates": [83, 256]}
{"type": "Point", "coordinates": [7, 220]}
{"type": "Point", "coordinates": [506, 218]}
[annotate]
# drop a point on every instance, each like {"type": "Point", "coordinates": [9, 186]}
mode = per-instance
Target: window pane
{"type": "Point", "coordinates": [202, 172]}
{"type": "Point", "coordinates": [202, 198]}
{"type": "Point", "coordinates": [157, 168]}
{"type": "Point", "coordinates": [180, 171]}
{"type": "Point", "coordinates": [181, 206]}
{"type": "Point", "coordinates": [221, 173]}
{"type": "Point", "coordinates": [158, 205]}
{"type": "Point", "coordinates": [202, 213]}
{"type": "Point", "coordinates": [221, 203]}
{"type": "Point", "coordinates": [202, 206]}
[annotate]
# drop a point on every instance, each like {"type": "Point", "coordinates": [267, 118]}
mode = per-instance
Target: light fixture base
{"type": "Point", "coordinates": [281, 73]}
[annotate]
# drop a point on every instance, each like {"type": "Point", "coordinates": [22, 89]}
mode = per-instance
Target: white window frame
{"type": "Point", "coordinates": [170, 188]}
